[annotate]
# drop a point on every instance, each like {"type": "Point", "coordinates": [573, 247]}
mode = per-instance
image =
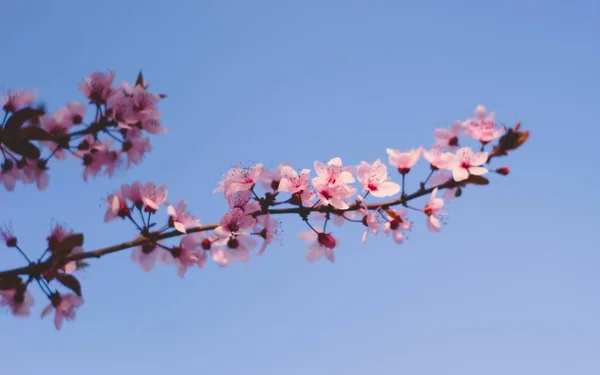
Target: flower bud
{"type": "Point", "coordinates": [326, 240]}
{"type": "Point", "coordinates": [503, 171]}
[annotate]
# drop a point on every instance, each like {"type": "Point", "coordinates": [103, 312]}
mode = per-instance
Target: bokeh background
{"type": "Point", "coordinates": [510, 286]}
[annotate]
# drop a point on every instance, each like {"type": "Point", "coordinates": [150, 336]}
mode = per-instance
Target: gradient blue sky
{"type": "Point", "coordinates": [509, 287]}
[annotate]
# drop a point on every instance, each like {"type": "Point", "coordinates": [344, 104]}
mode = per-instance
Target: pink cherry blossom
{"type": "Point", "coordinates": [434, 157]}
{"type": "Point", "coordinates": [397, 224]}
{"type": "Point", "coordinates": [64, 306]}
{"type": "Point", "coordinates": [374, 179]}
{"type": "Point", "coordinates": [331, 183]}
{"type": "Point", "coordinates": [270, 179]}
{"type": "Point", "coordinates": [483, 126]}
{"type": "Point", "coordinates": [404, 160]}
{"type": "Point", "coordinates": [239, 179]}
{"type": "Point", "coordinates": [179, 217]}
{"type": "Point", "coordinates": [370, 220]}
{"type": "Point", "coordinates": [13, 100]}
{"type": "Point", "coordinates": [153, 196]}
{"type": "Point", "coordinates": [116, 205]}
{"type": "Point", "coordinates": [187, 254]}
{"type": "Point", "coordinates": [135, 146]}
{"type": "Point", "coordinates": [433, 210]}
{"type": "Point", "coordinates": [97, 86]}
{"type": "Point", "coordinates": [147, 256]}
{"type": "Point", "coordinates": [465, 162]}
{"type": "Point", "coordinates": [9, 174]}
{"type": "Point", "coordinates": [18, 300]}
{"type": "Point", "coordinates": [266, 228]}
{"type": "Point", "coordinates": [35, 171]}
{"type": "Point", "coordinates": [448, 137]}
{"type": "Point", "coordinates": [321, 244]}
{"type": "Point", "coordinates": [296, 184]}
{"type": "Point", "coordinates": [244, 200]}
{"type": "Point", "coordinates": [233, 222]}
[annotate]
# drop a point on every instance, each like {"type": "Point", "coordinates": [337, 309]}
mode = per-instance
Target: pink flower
{"type": "Point", "coordinates": [375, 180]}
{"type": "Point", "coordinates": [331, 183]}
{"type": "Point", "coordinates": [64, 307]}
{"type": "Point", "coordinates": [397, 224]}
{"type": "Point", "coordinates": [97, 86]}
{"type": "Point", "coordinates": [135, 146]}
{"type": "Point", "coordinates": [153, 196]}
{"type": "Point", "coordinates": [13, 100]}
{"type": "Point", "coordinates": [483, 126]}
{"type": "Point", "coordinates": [296, 184]}
{"type": "Point", "coordinates": [187, 255]}
{"type": "Point", "coordinates": [270, 179]}
{"type": "Point", "coordinates": [370, 221]}
{"type": "Point", "coordinates": [434, 157]}
{"type": "Point", "coordinates": [321, 244]}
{"type": "Point", "coordinates": [267, 229]}
{"type": "Point", "coordinates": [233, 222]}
{"type": "Point", "coordinates": [19, 300]}
{"type": "Point", "coordinates": [240, 179]}
{"type": "Point", "coordinates": [179, 217]}
{"type": "Point", "coordinates": [448, 137]}
{"type": "Point", "coordinates": [147, 255]}
{"type": "Point", "coordinates": [116, 205]}
{"type": "Point", "coordinates": [243, 200]}
{"type": "Point", "coordinates": [9, 174]}
{"type": "Point", "coordinates": [465, 162]}
{"type": "Point", "coordinates": [433, 210]}
{"type": "Point", "coordinates": [36, 171]}
{"type": "Point", "coordinates": [237, 246]}
{"type": "Point", "coordinates": [404, 160]}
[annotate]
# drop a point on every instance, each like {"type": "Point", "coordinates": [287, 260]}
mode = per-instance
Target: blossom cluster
{"type": "Point", "coordinates": [459, 156]}
{"type": "Point", "coordinates": [114, 137]}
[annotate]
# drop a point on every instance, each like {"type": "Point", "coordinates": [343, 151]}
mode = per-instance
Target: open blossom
{"type": "Point", "coordinates": [266, 228]}
{"type": "Point", "coordinates": [332, 182]}
{"type": "Point", "coordinates": [18, 300]}
{"type": "Point", "coordinates": [397, 224]}
{"type": "Point", "coordinates": [321, 244]}
{"type": "Point", "coordinates": [97, 86]}
{"type": "Point", "coordinates": [13, 100]}
{"type": "Point", "coordinates": [64, 306]}
{"type": "Point", "coordinates": [135, 146]}
{"type": "Point", "coordinates": [296, 184]}
{"type": "Point", "coordinates": [434, 157]}
{"type": "Point", "coordinates": [404, 160]}
{"type": "Point", "coordinates": [116, 205]}
{"type": "Point", "coordinates": [234, 222]}
{"type": "Point", "coordinates": [270, 179]}
{"type": "Point", "coordinates": [448, 137]}
{"type": "Point", "coordinates": [483, 126]}
{"type": "Point", "coordinates": [239, 179]}
{"type": "Point", "coordinates": [465, 162]}
{"type": "Point", "coordinates": [179, 217]}
{"type": "Point", "coordinates": [153, 196]}
{"type": "Point", "coordinates": [147, 255]}
{"type": "Point", "coordinates": [244, 200]}
{"type": "Point", "coordinates": [187, 254]}
{"type": "Point", "coordinates": [369, 220]}
{"type": "Point", "coordinates": [433, 210]}
{"type": "Point", "coordinates": [374, 179]}
{"type": "Point", "coordinates": [35, 171]}
{"type": "Point", "coordinates": [9, 174]}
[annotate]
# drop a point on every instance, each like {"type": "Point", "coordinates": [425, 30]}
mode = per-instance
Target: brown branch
{"type": "Point", "coordinates": [36, 269]}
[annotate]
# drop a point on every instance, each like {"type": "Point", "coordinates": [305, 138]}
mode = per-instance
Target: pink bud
{"type": "Point", "coordinates": [503, 171]}
{"type": "Point", "coordinates": [327, 240]}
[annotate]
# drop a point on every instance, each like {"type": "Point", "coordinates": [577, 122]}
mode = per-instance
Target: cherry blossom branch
{"type": "Point", "coordinates": [123, 113]}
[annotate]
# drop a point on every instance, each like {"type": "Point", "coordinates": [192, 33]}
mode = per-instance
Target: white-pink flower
{"type": "Point", "coordinates": [153, 196]}
{"type": "Point", "coordinates": [332, 182]}
{"type": "Point", "coordinates": [179, 217]}
{"type": "Point", "coordinates": [397, 224]}
{"type": "Point", "coordinates": [433, 210]}
{"type": "Point", "coordinates": [239, 179]}
{"type": "Point", "coordinates": [321, 244]}
{"type": "Point", "coordinates": [64, 306]}
{"type": "Point", "coordinates": [404, 160]}
{"type": "Point", "coordinates": [483, 126]}
{"type": "Point", "coordinates": [296, 184]}
{"type": "Point", "coordinates": [374, 179]}
{"type": "Point", "coordinates": [464, 163]}
{"type": "Point", "coordinates": [19, 301]}
{"type": "Point", "coordinates": [448, 137]}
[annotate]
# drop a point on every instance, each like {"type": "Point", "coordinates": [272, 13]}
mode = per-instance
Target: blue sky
{"type": "Point", "coordinates": [508, 287]}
